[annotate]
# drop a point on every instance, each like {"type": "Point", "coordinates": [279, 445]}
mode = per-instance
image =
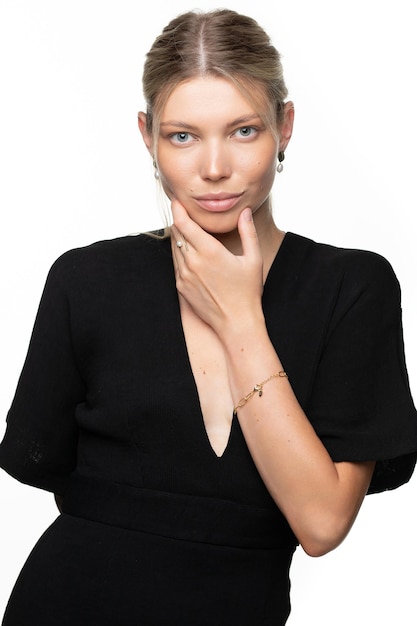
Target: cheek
{"type": "Point", "coordinates": [176, 176]}
{"type": "Point", "coordinates": [169, 181]}
{"type": "Point", "coordinates": [177, 184]}
{"type": "Point", "coordinates": [261, 167]}
{"type": "Point", "coordinates": [264, 175]}
{"type": "Point", "coordinates": [264, 172]}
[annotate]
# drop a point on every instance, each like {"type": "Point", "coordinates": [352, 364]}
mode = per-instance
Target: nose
{"type": "Point", "coordinates": [215, 161]}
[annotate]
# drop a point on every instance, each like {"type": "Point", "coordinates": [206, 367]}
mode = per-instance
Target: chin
{"type": "Point", "coordinates": [216, 222]}
{"type": "Point", "coordinates": [218, 225]}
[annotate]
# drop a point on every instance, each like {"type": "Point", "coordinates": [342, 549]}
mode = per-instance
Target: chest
{"type": "Point", "coordinates": [149, 363]}
{"type": "Point", "coordinates": [209, 369]}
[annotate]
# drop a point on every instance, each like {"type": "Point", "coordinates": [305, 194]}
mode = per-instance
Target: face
{"type": "Point", "coordinates": [214, 153]}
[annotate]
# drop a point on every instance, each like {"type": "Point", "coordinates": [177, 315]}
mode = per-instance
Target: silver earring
{"type": "Point", "coordinates": [156, 171]}
{"type": "Point", "coordinates": [280, 166]}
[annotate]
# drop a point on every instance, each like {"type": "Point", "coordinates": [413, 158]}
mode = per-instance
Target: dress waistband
{"type": "Point", "coordinates": [179, 516]}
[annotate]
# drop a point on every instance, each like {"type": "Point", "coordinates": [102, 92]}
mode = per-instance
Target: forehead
{"type": "Point", "coordinates": [206, 98]}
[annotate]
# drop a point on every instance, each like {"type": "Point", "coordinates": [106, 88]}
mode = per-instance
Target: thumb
{"type": "Point", "coordinates": [248, 234]}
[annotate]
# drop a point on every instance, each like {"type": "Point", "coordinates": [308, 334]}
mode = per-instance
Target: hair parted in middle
{"type": "Point", "coordinates": [220, 43]}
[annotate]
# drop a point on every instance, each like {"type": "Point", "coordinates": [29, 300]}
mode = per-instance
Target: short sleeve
{"type": "Point", "coordinates": [40, 443]}
{"type": "Point", "coordinates": [361, 405]}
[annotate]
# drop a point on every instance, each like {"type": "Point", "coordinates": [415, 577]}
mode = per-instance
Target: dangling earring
{"type": "Point", "coordinates": [281, 157]}
{"type": "Point", "coordinates": [156, 172]}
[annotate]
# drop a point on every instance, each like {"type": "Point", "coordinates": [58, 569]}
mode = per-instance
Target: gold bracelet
{"type": "Point", "coordinates": [258, 388]}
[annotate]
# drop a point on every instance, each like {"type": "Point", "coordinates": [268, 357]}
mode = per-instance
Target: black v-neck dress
{"type": "Point", "coordinates": [156, 529]}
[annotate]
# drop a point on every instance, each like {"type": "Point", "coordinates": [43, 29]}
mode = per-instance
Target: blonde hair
{"type": "Point", "coordinates": [217, 43]}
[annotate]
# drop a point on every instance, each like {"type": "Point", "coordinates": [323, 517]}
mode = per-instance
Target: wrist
{"type": "Point", "coordinates": [246, 339]}
{"type": "Point", "coordinates": [244, 327]}
{"type": "Point", "coordinates": [258, 389]}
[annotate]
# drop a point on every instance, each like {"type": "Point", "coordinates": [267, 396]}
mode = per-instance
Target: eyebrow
{"type": "Point", "coordinates": [244, 119]}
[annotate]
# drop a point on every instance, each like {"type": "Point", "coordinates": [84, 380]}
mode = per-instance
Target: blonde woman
{"type": "Point", "coordinates": [204, 399]}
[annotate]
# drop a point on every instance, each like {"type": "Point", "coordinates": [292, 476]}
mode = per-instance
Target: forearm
{"type": "Point", "coordinates": [319, 498]}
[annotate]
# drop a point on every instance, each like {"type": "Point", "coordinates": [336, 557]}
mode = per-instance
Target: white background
{"type": "Point", "coordinates": [73, 171]}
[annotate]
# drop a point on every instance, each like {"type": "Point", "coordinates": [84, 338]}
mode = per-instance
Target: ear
{"type": "Point", "coordinates": [286, 126]}
{"type": "Point", "coordinates": [147, 138]}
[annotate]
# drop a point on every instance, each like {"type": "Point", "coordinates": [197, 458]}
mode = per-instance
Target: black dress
{"type": "Point", "coordinates": [157, 529]}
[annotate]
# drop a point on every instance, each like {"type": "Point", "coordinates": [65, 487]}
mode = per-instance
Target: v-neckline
{"type": "Point", "coordinates": [202, 428]}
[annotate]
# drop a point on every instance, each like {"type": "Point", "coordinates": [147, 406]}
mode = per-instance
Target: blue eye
{"type": "Point", "coordinates": [181, 137]}
{"type": "Point", "coordinates": [246, 131]}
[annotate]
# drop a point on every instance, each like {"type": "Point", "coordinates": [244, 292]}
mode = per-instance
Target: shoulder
{"type": "Point", "coordinates": [356, 269]}
{"type": "Point", "coordinates": [140, 246]}
{"type": "Point", "coordinates": [342, 258]}
{"type": "Point", "coordinates": [107, 258]}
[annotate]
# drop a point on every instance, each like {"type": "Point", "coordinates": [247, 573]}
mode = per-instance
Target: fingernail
{"type": "Point", "coordinates": [247, 214]}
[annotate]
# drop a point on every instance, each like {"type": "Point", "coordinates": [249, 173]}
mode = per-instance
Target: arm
{"type": "Point", "coordinates": [319, 498]}
{"type": "Point", "coordinates": [40, 444]}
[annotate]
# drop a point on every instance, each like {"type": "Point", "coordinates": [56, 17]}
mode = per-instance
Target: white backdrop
{"type": "Point", "coordinates": [73, 170]}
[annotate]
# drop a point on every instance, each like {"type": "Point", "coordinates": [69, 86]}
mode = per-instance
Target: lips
{"type": "Point", "coordinates": [218, 203]}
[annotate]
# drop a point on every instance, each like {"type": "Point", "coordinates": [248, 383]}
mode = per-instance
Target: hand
{"type": "Point", "coordinates": [222, 288]}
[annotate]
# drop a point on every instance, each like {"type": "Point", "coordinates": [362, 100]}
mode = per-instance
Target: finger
{"type": "Point", "coordinates": [191, 232]}
{"type": "Point", "coordinates": [248, 234]}
{"type": "Point", "coordinates": [178, 239]}
{"type": "Point", "coordinates": [178, 246]}
{"type": "Point", "coordinates": [179, 213]}
{"type": "Point", "coordinates": [174, 255]}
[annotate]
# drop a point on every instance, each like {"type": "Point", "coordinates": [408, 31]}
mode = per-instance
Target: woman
{"type": "Point", "coordinates": [203, 400]}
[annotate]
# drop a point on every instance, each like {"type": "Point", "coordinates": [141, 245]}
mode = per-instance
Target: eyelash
{"type": "Point", "coordinates": [174, 137]}
{"type": "Point", "coordinates": [186, 135]}
{"type": "Point", "coordinates": [253, 130]}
